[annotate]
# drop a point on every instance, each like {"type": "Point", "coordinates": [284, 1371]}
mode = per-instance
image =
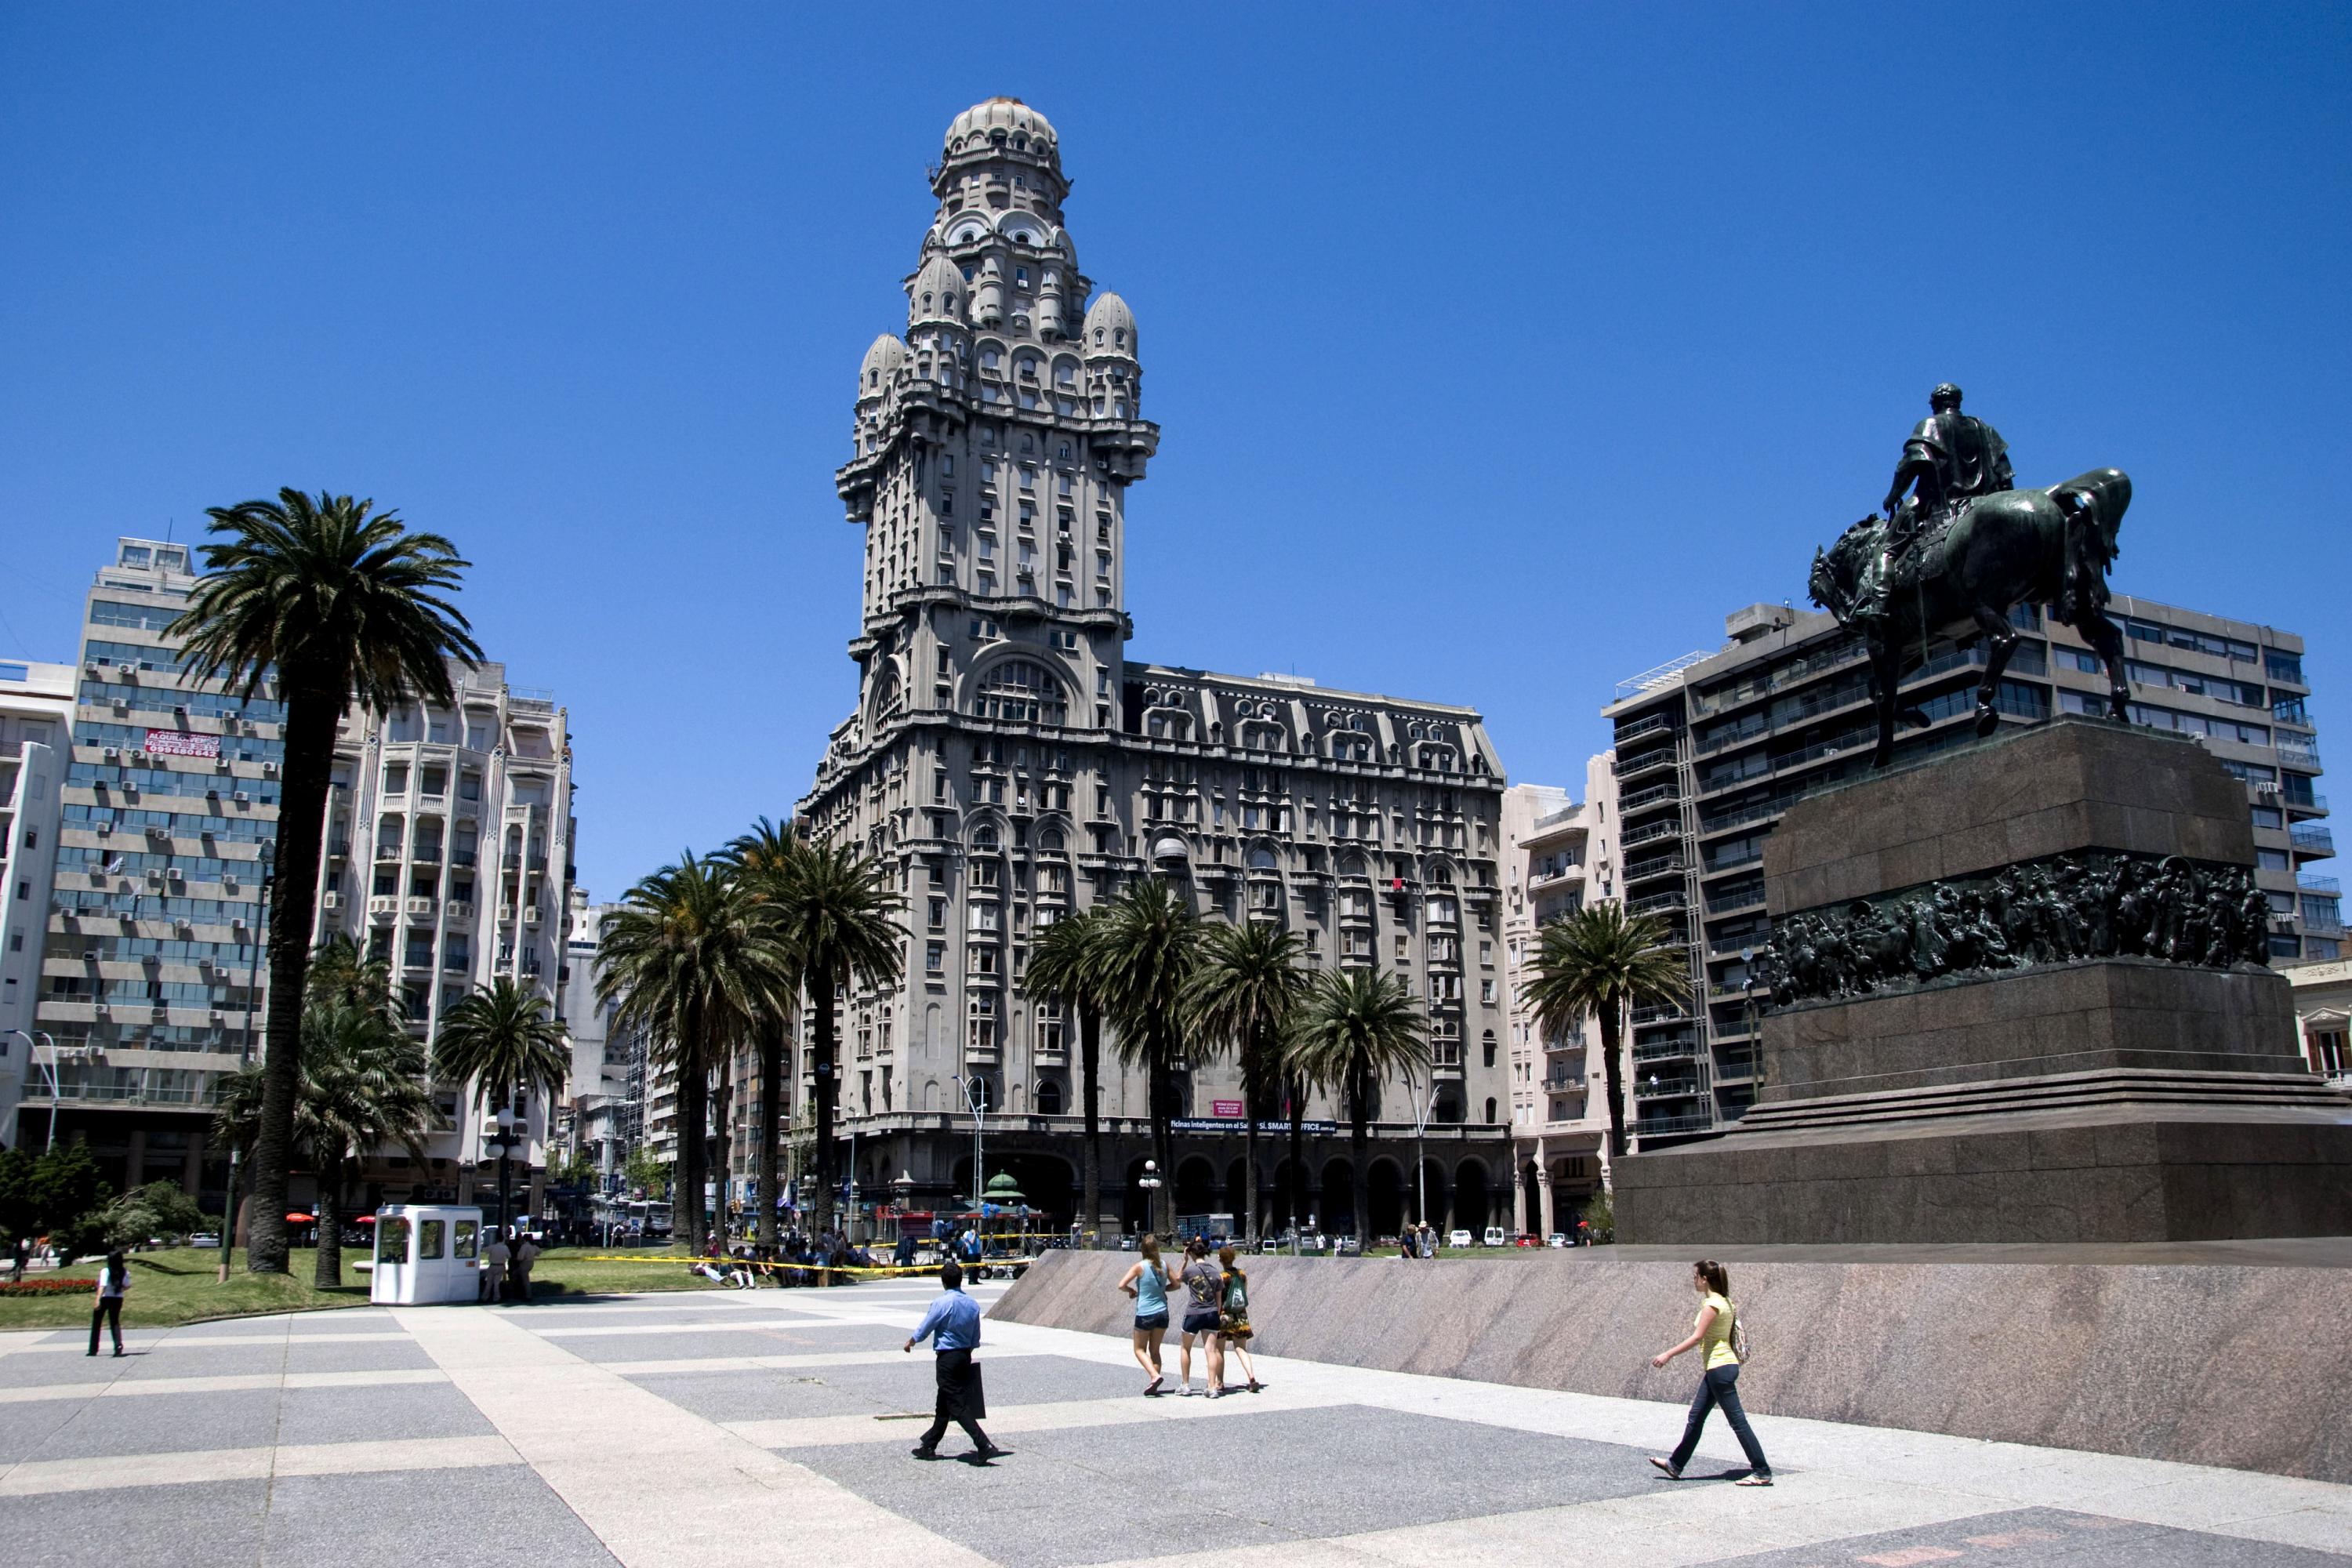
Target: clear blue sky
{"type": "Point", "coordinates": [1498, 353]}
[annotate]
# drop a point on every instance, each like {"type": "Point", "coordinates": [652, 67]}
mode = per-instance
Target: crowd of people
{"type": "Point", "coordinates": [1216, 1317]}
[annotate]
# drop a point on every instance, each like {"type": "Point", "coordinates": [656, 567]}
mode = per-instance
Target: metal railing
{"type": "Point", "coordinates": [1670, 790]}
{"type": "Point", "coordinates": [1659, 1126]}
{"type": "Point", "coordinates": [1658, 1015]}
{"type": "Point", "coordinates": [2323, 885]}
{"type": "Point", "coordinates": [2315, 838]}
{"type": "Point", "coordinates": [1655, 866]}
{"type": "Point", "coordinates": [1670, 828]}
{"type": "Point", "coordinates": [1657, 902]}
{"type": "Point", "coordinates": [1640, 727]}
{"type": "Point", "coordinates": [1666, 1050]}
{"type": "Point", "coordinates": [1735, 897]}
{"type": "Point", "coordinates": [1656, 756]}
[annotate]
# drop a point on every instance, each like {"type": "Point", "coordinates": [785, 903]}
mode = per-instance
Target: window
{"type": "Point", "coordinates": [935, 957]}
{"type": "Point", "coordinates": [1049, 1097]}
{"type": "Point", "coordinates": [396, 778]}
{"type": "Point", "coordinates": [1021, 691]}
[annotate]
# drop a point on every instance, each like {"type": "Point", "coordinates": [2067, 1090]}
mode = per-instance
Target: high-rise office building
{"type": "Point", "coordinates": [153, 963]}
{"type": "Point", "coordinates": [1012, 764]}
{"type": "Point", "coordinates": [1713, 747]}
{"type": "Point", "coordinates": [37, 704]}
{"type": "Point", "coordinates": [448, 856]}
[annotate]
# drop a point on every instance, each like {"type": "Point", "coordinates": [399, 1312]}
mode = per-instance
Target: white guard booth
{"type": "Point", "coordinates": [426, 1253]}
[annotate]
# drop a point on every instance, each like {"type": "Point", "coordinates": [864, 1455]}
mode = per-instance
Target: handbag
{"type": "Point", "coordinates": [1739, 1341]}
{"type": "Point", "coordinates": [975, 1394]}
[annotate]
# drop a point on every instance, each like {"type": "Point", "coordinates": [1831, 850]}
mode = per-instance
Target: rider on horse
{"type": "Point", "coordinates": [1952, 459]}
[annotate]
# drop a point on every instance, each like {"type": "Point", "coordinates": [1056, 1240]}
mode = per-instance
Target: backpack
{"type": "Point", "coordinates": [1739, 1341]}
{"type": "Point", "coordinates": [1236, 1293]}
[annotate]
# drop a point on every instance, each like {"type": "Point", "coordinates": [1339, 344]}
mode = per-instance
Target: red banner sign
{"type": "Point", "coordinates": [1230, 1108]}
{"type": "Point", "coordinates": [180, 743]}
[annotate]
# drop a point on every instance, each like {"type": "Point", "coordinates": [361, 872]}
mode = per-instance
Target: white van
{"type": "Point", "coordinates": [1495, 1237]}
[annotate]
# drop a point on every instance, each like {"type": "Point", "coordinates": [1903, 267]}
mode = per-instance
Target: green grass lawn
{"type": "Point", "coordinates": [180, 1285]}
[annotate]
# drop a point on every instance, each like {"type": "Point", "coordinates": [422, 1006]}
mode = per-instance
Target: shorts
{"type": "Point", "coordinates": [1156, 1323]}
{"type": "Point", "coordinates": [1201, 1321]}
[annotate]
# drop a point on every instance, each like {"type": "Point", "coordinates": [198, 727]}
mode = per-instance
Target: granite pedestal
{"type": "Point", "coordinates": [2116, 1098]}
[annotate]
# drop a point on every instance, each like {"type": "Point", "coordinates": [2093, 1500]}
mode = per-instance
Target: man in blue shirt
{"type": "Point", "coordinates": [952, 1325]}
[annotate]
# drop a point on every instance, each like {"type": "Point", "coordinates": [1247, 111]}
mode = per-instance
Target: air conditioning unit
{"type": "Point", "coordinates": [179, 710]}
{"type": "Point", "coordinates": [531, 915]}
{"type": "Point", "coordinates": [106, 830]}
{"type": "Point", "coordinates": [238, 924]}
{"type": "Point", "coordinates": [141, 757]}
{"type": "Point", "coordinates": [91, 669]}
{"type": "Point", "coordinates": [154, 879]}
{"type": "Point", "coordinates": [220, 764]}
{"type": "Point", "coordinates": [157, 830]}
{"type": "Point", "coordinates": [183, 927]}
{"type": "Point", "coordinates": [177, 877]}
{"type": "Point", "coordinates": [112, 753]}
{"type": "Point", "coordinates": [270, 770]}
{"type": "Point", "coordinates": [241, 798]}
{"type": "Point", "coordinates": [248, 728]}
{"type": "Point", "coordinates": [218, 1017]}
{"type": "Point", "coordinates": [331, 899]}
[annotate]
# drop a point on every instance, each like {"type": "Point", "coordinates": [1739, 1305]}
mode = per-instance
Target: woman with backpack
{"type": "Point", "coordinates": [1716, 1333]}
{"type": "Point", "coordinates": [1234, 1325]}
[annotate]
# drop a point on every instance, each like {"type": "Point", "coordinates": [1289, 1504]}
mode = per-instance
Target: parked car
{"type": "Point", "coordinates": [204, 1239]}
{"type": "Point", "coordinates": [1523, 1239]}
{"type": "Point", "coordinates": [1555, 1240]}
{"type": "Point", "coordinates": [1457, 1238]}
{"type": "Point", "coordinates": [1495, 1236]}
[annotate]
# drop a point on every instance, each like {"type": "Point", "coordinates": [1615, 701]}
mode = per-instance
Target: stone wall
{"type": "Point", "coordinates": [2205, 1364]}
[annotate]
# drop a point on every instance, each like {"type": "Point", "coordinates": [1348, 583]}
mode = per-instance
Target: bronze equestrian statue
{"type": "Point", "coordinates": [1958, 544]}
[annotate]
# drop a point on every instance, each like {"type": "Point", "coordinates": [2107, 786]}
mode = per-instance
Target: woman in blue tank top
{"type": "Point", "coordinates": [1147, 1282]}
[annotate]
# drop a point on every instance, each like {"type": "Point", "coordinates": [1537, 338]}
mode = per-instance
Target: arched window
{"type": "Point", "coordinates": [1049, 1098]}
{"type": "Point", "coordinates": [1490, 1108]}
{"type": "Point", "coordinates": [1261, 858]}
{"type": "Point", "coordinates": [1022, 691]}
{"type": "Point", "coordinates": [984, 838]}
{"type": "Point", "coordinates": [1050, 839]}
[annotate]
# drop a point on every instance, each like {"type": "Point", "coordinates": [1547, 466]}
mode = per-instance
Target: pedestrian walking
{"type": "Point", "coordinates": [524, 1253]}
{"type": "Point", "coordinates": [1202, 1290]}
{"type": "Point", "coordinates": [952, 1325]}
{"type": "Point", "coordinates": [1147, 1282]}
{"type": "Point", "coordinates": [1233, 1319]}
{"type": "Point", "coordinates": [113, 1280]}
{"type": "Point", "coordinates": [1713, 1333]}
{"type": "Point", "coordinates": [496, 1260]}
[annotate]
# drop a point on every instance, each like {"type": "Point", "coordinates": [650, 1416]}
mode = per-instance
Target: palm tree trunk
{"type": "Point", "coordinates": [311, 717]}
{"type": "Point", "coordinates": [688, 1193]}
{"type": "Point", "coordinates": [1613, 1075]}
{"type": "Point", "coordinates": [328, 1211]}
{"type": "Point", "coordinates": [821, 1046]}
{"type": "Point", "coordinates": [1163, 1137]}
{"type": "Point", "coordinates": [1090, 1091]}
{"type": "Point", "coordinates": [771, 1095]}
{"type": "Point", "coordinates": [1252, 1095]}
{"type": "Point", "coordinates": [1360, 1149]}
{"type": "Point", "coordinates": [722, 1144]}
{"type": "Point", "coordinates": [1297, 1155]}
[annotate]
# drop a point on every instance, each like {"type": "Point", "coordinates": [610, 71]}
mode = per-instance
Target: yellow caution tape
{"type": "Point", "coordinates": [884, 1270]}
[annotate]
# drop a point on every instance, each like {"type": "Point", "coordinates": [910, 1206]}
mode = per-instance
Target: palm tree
{"type": "Point", "coordinates": [340, 608]}
{"type": "Point", "coordinates": [1066, 963]}
{"type": "Point", "coordinates": [835, 915]}
{"type": "Point", "coordinates": [503, 1041]}
{"type": "Point", "coordinates": [342, 974]}
{"type": "Point", "coordinates": [763, 860]}
{"type": "Point", "coordinates": [691, 959]}
{"type": "Point", "coordinates": [1243, 995]}
{"type": "Point", "coordinates": [1602, 961]}
{"type": "Point", "coordinates": [1151, 944]}
{"type": "Point", "coordinates": [1356, 1028]}
{"type": "Point", "coordinates": [361, 1087]}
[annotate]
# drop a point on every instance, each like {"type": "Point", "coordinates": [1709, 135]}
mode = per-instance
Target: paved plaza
{"type": "Point", "coordinates": [770, 1426]}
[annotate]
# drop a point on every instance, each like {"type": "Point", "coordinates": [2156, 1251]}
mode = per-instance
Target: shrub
{"type": "Point", "coordinates": [49, 1287]}
{"type": "Point", "coordinates": [1602, 1217]}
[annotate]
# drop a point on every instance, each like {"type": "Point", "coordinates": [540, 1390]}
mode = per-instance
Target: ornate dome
{"type": "Point", "coordinates": [1005, 123]}
{"type": "Point", "coordinates": [1110, 327]}
{"type": "Point", "coordinates": [882, 362]}
{"type": "Point", "coordinates": [938, 293]}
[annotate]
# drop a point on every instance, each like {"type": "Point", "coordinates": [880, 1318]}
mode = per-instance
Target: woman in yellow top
{"type": "Point", "coordinates": [1711, 1334]}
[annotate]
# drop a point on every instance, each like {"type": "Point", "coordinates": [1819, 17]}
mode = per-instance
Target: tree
{"type": "Point", "coordinates": [502, 1040]}
{"type": "Point", "coordinates": [765, 860]}
{"type": "Point", "coordinates": [693, 960]}
{"type": "Point", "coordinates": [837, 914]}
{"type": "Point", "coordinates": [342, 974]}
{"type": "Point", "coordinates": [55, 1194]}
{"type": "Point", "coordinates": [1151, 942]}
{"type": "Point", "coordinates": [1066, 963]}
{"type": "Point", "coordinates": [1356, 1028]}
{"type": "Point", "coordinates": [645, 1174]}
{"type": "Point", "coordinates": [157, 1209]}
{"type": "Point", "coordinates": [360, 1086]}
{"type": "Point", "coordinates": [1244, 996]}
{"type": "Point", "coordinates": [1601, 961]}
{"type": "Point", "coordinates": [339, 608]}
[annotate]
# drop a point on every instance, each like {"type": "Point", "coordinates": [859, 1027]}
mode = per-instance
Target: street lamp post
{"type": "Point", "coordinates": [975, 1089]}
{"type": "Point", "coordinates": [1149, 1183]}
{"type": "Point", "coordinates": [1420, 1166]}
{"type": "Point", "coordinates": [501, 1129]}
{"type": "Point", "coordinates": [32, 1057]}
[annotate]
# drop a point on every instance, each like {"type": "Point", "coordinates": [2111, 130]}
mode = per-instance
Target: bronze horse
{"type": "Point", "coordinates": [2008, 548]}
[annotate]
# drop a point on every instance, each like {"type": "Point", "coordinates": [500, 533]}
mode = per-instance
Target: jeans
{"type": "Point", "coordinates": [109, 1311]}
{"type": "Point", "coordinates": [1720, 1386]}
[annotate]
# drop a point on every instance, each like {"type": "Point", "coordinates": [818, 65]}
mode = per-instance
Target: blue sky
{"type": "Point", "coordinates": [1498, 353]}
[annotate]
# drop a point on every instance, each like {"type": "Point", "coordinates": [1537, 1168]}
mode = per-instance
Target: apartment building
{"type": "Point", "coordinates": [1559, 855]}
{"type": "Point", "coordinates": [1711, 748]}
{"type": "Point", "coordinates": [152, 963]}
{"type": "Point", "coordinates": [448, 856]}
{"type": "Point", "coordinates": [37, 704]}
{"type": "Point", "coordinates": [1012, 764]}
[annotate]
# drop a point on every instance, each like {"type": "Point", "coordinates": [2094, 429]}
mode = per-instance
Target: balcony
{"type": "Point", "coordinates": [1649, 832]}
{"type": "Point", "coordinates": [1641, 799]}
{"type": "Point", "coordinates": [1673, 1049]}
{"type": "Point", "coordinates": [1745, 895]}
{"type": "Point", "coordinates": [2314, 838]}
{"type": "Point", "coordinates": [1663, 1126]}
{"type": "Point", "coordinates": [1660, 1015]}
{"type": "Point", "coordinates": [1658, 903]}
{"type": "Point", "coordinates": [388, 851]}
{"type": "Point", "coordinates": [2327, 887]}
{"type": "Point", "coordinates": [1682, 1086]}
{"type": "Point", "coordinates": [1668, 865]}
{"type": "Point", "coordinates": [1655, 723]}
{"type": "Point", "coordinates": [1655, 758]}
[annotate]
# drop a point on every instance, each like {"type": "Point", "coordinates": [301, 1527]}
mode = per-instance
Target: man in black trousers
{"type": "Point", "coordinates": [953, 1327]}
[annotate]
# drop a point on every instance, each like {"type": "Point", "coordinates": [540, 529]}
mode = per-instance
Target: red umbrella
{"type": "Point", "coordinates": [366, 1219]}
{"type": "Point", "coordinates": [298, 1219]}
